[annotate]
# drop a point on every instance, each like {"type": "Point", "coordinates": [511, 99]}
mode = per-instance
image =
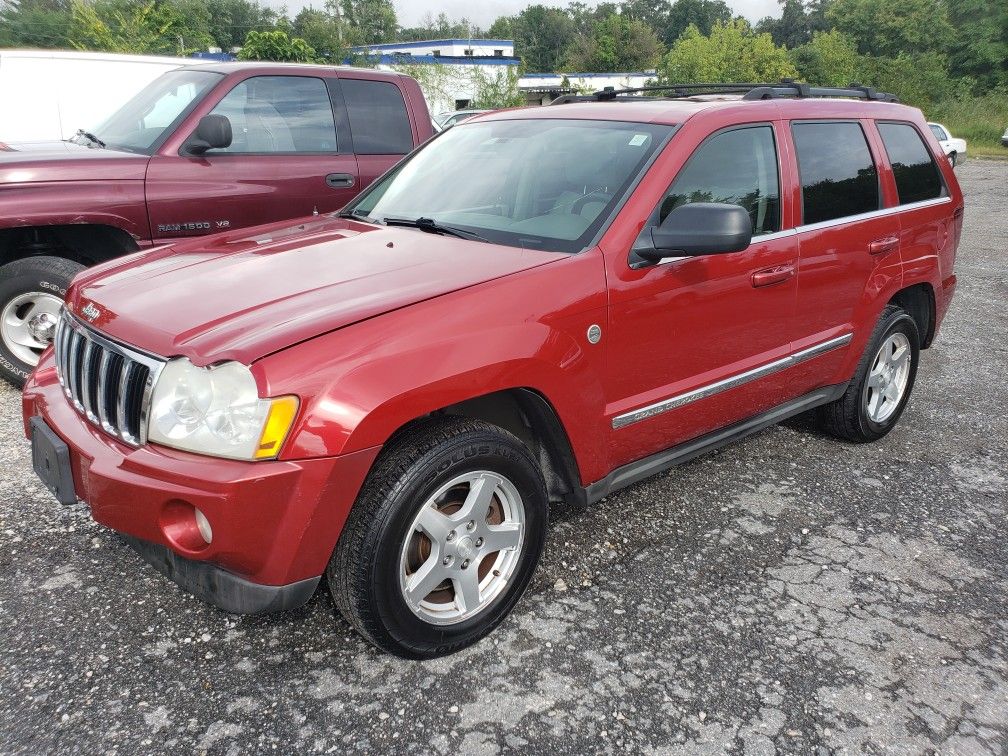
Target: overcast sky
{"type": "Point", "coordinates": [483, 12]}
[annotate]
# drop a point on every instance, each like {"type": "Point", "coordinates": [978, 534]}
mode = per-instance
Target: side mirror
{"type": "Point", "coordinates": [698, 228]}
{"type": "Point", "coordinates": [213, 132]}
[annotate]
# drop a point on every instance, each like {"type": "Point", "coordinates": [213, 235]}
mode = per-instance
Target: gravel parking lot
{"type": "Point", "coordinates": [787, 593]}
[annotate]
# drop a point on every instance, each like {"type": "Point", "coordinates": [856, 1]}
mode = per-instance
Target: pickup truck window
{"type": "Point", "coordinates": [141, 123]}
{"type": "Point", "coordinates": [543, 184]}
{"type": "Point", "coordinates": [279, 114]}
{"type": "Point", "coordinates": [378, 117]}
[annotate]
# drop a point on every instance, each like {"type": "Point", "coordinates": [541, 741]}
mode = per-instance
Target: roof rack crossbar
{"type": "Point", "coordinates": [782, 89]}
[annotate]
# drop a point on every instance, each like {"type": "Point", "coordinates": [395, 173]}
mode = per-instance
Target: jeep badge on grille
{"type": "Point", "coordinates": [90, 312]}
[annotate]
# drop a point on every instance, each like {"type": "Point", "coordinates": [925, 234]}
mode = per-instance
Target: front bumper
{"type": "Point", "coordinates": [274, 523]}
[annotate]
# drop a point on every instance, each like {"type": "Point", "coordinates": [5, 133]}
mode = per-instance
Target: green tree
{"type": "Point", "coordinates": [370, 22]}
{"type": "Point", "coordinates": [792, 29]}
{"type": "Point", "coordinates": [35, 23]}
{"type": "Point", "coordinates": [441, 27]}
{"type": "Point", "coordinates": [541, 36]}
{"type": "Point", "coordinates": [617, 43]}
{"type": "Point", "coordinates": [231, 20]}
{"type": "Point", "coordinates": [586, 16]}
{"type": "Point", "coordinates": [276, 45]}
{"type": "Point", "coordinates": [140, 26]}
{"type": "Point", "coordinates": [831, 60]}
{"type": "Point", "coordinates": [732, 52]}
{"type": "Point", "coordinates": [323, 30]}
{"type": "Point", "coordinates": [703, 14]}
{"type": "Point", "coordinates": [893, 27]}
{"type": "Point", "coordinates": [979, 49]}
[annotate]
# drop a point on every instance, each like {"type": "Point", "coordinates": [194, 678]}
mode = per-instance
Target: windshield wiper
{"type": "Point", "coordinates": [433, 227]}
{"type": "Point", "coordinates": [90, 137]}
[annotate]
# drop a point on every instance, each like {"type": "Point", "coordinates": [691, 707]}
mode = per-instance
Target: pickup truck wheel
{"type": "Point", "coordinates": [443, 539]}
{"type": "Point", "coordinates": [31, 295]}
{"type": "Point", "coordinates": [881, 386]}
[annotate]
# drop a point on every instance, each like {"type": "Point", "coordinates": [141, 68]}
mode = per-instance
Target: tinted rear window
{"type": "Point", "coordinates": [378, 117]}
{"type": "Point", "coordinates": [917, 176]}
{"type": "Point", "coordinates": [838, 175]}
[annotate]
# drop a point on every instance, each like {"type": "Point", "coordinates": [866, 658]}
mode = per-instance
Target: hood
{"type": "Point", "coordinates": [26, 162]}
{"type": "Point", "coordinates": [241, 297]}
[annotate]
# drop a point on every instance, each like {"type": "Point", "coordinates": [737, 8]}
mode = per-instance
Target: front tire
{"type": "Point", "coordinates": [878, 393]}
{"type": "Point", "coordinates": [442, 540]}
{"type": "Point", "coordinates": [31, 295]}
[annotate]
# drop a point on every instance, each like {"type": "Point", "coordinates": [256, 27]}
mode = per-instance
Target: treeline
{"type": "Point", "coordinates": [923, 50]}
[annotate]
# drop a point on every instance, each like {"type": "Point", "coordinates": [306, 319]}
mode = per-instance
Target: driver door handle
{"type": "Point", "coordinates": [340, 180]}
{"type": "Point", "coordinates": [771, 276]}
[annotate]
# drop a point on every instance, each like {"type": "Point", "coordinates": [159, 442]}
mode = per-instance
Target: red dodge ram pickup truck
{"type": "Point", "coordinates": [201, 150]}
{"type": "Point", "coordinates": [538, 306]}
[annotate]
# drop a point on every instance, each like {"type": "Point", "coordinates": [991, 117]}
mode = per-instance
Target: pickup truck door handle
{"type": "Point", "coordinates": [771, 276]}
{"type": "Point", "coordinates": [884, 245]}
{"type": "Point", "coordinates": [340, 180]}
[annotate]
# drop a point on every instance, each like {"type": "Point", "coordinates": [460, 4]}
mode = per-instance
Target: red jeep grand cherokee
{"type": "Point", "coordinates": [539, 306]}
{"type": "Point", "coordinates": [201, 149]}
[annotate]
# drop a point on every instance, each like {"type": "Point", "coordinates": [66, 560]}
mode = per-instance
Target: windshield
{"type": "Point", "coordinates": [540, 183]}
{"type": "Point", "coordinates": [141, 122]}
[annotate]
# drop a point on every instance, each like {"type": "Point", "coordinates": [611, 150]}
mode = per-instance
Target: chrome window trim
{"type": "Point", "coordinates": [755, 240]}
{"type": "Point", "coordinates": [679, 400]}
{"type": "Point", "coordinates": [873, 214]}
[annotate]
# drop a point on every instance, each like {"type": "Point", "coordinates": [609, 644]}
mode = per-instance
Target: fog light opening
{"type": "Point", "coordinates": [204, 526]}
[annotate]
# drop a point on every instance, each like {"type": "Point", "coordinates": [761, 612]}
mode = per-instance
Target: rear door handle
{"type": "Point", "coordinates": [340, 180]}
{"type": "Point", "coordinates": [883, 246]}
{"type": "Point", "coordinates": [771, 276]}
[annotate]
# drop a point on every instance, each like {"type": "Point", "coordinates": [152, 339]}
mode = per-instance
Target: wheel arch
{"type": "Point", "coordinates": [84, 243]}
{"type": "Point", "coordinates": [529, 415]}
{"type": "Point", "coordinates": [919, 302]}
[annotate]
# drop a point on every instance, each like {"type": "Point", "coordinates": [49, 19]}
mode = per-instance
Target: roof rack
{"type": "Point", "coordinates": [786, 88]}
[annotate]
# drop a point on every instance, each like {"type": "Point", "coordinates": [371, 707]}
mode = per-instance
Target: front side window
{"type": "Point", "coordinates": [917, 176]}
{"type": "Point", "coordinates": [838, 175]}
{"type": "Point", "coordinates": [737, 167]}
{"type": "Point", "coordinates": [537, 183]}
{"type": "Point", "coordinates": [378, 117]}
{"type": "Point", "coordinates": [142, 122]}
{"type": "Point", "coordinates": [278, 114]}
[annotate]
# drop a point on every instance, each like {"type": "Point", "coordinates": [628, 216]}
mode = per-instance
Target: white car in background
{"type": "Point", "coordinates": [1004, 138]}
{"type": "Point", "coordinates": [47, 95]}
{"type": "Point", "coordinates": [955, 149]}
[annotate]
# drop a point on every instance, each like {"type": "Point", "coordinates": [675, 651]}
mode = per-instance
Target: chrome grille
{"type": "Point", "coordinates": [108, 383]}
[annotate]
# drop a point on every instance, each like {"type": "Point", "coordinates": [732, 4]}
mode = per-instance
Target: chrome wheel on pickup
{"type": "Point", "coordinates": [28, 322]}
{"type": "Point", "coordinates": [31, 295]}
{"type": "Point", "coordinates": [443, 538]}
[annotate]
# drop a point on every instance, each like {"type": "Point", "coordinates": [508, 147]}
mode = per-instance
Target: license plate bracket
{"type": "Point", "coordinates": [51, 460]}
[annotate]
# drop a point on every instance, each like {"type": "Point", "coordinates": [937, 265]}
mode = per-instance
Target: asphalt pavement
{"type": "Point", "coordinates": [788, 593]}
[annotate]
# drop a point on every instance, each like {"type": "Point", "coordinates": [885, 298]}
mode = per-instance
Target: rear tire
{"type": "Point", "coordinates": [443, 539]}
{"type": "Point", "coordinates": [31, 294]}
{"type": "Point", "coordinates": [885, 375]}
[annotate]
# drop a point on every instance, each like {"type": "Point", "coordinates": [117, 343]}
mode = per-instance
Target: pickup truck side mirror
{"type": "Point", "coordinates": [697, 228]}
{"type": "Point", "coordinates": [213, 132]}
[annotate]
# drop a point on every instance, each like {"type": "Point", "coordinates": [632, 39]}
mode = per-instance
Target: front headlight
{"type": "Point", "coordinates": [217, 411]}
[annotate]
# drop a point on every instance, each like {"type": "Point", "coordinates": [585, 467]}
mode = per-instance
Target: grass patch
{"type": "Point", "coordinates": [979, 120]}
